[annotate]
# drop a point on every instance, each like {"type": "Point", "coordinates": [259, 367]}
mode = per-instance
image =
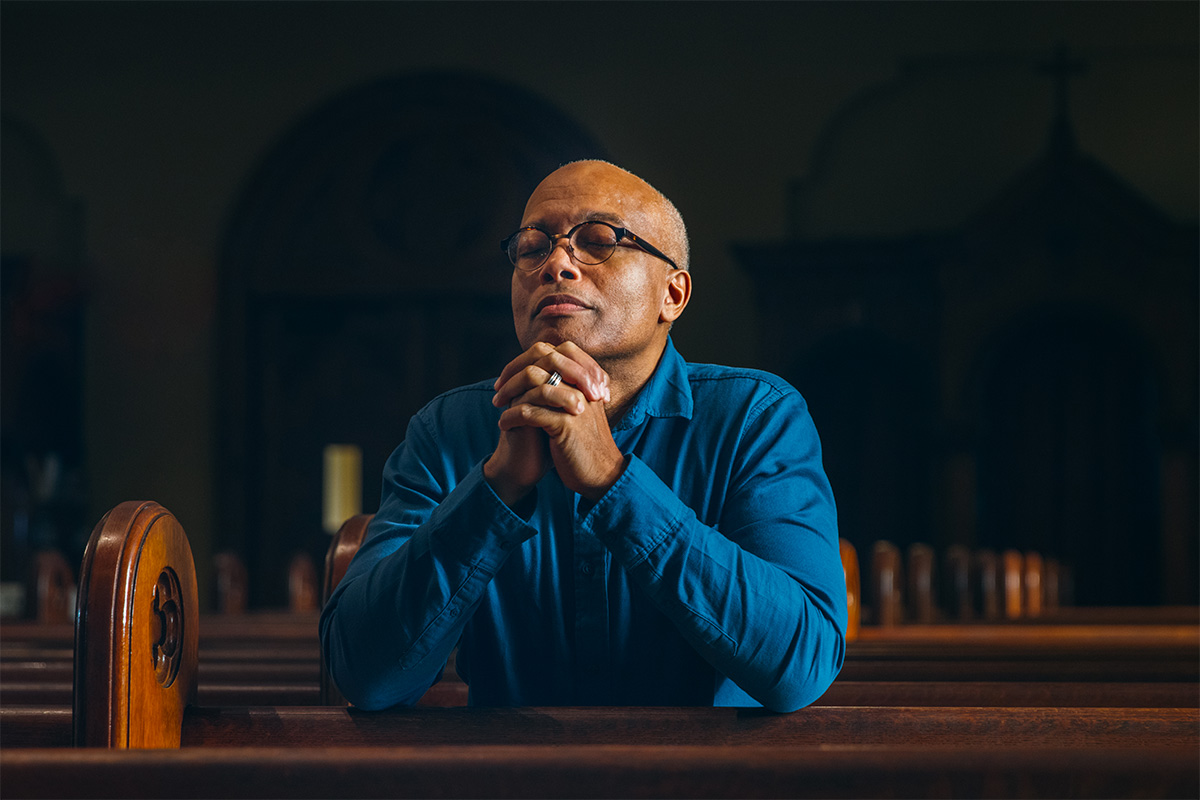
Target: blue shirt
{"type": "Point", "coordinates": [709, 574]}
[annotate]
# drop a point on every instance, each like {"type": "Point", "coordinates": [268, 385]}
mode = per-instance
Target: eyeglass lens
{"type": "Point", "coordinates": [591, 243]}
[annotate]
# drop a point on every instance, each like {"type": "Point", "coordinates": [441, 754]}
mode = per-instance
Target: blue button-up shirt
{"type": "Point", "coordinates": [709, 574]}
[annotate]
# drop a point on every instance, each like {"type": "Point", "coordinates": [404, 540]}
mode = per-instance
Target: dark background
{"type": "Point", "coordinates": [236, 232]}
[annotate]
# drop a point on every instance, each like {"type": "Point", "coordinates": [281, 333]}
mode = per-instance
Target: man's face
{"type": "Point", "coordinates": [615, 310]}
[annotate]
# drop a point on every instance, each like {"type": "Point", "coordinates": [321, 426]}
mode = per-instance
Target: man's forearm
{"type": "Point", "coordinates": [398, 613]}
{"type": "Point", "coordinates": [778, 636]}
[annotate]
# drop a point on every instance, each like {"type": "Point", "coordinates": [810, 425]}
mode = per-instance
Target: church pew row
{"type": "Point", "coordinates": [639, 752]}
{"type": "Point", "coordinates": [269, 657]}
{"type": "Point", "coordinates": [130, 698]}
{"type": "Point", "coordinates": [43, 719]}
{"type": "Point", "coordinates": [1131, 654]}
{"type": "Point", "coordinates": [279, 671]}
{"type": "Point", "coordinates": [51, 587]}
{"type": "Point", "coordinates": [985, 586]}
{"type": "Point", "coordinates": [168, 703]}
{"type": "Point", "coordinates": [600, 771]}
{"type": "Point", "coordinates": [968, 727]}
{"type": "Point", "coordinates": [1061, 693]}
{"type": "Point", "coordinates": [37, 722]}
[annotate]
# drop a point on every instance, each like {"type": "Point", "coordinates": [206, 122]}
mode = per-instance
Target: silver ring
{"type": "Point", "coordinates": [554, 380]}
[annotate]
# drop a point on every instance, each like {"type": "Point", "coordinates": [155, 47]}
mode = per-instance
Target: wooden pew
{"type": "Point", "coordinates": [245, 656]}
{"type": "Point", "coordinates": [602, 771]}
{"type": "Point", "coordinates": [507, 747]}
{"type": "Point", "coordinates": [342, 547]}
{"type": "Point", "coordinates": [1050, 640]}
{"type": "Point", "coordinates": [853, 588]}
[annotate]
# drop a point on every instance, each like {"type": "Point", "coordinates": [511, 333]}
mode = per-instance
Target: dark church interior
{"type": "Point", "coordinates": [237, 233]}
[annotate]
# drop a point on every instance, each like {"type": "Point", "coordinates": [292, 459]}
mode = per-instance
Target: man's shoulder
{"type": "Point", "coordinates": [472, 396]}
{"type": "Point", "coordinates": [720, 378]}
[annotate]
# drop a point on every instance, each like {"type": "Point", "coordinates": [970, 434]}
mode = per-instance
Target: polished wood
{"type": "Point", "coordinates": [1012, 565]}
{"type": "Point", "coordinates": [36, 723]}
{"type": "Point", "coordinates": [244, 693]}
{"type": "Point", "coordinates": [35, 726]}
{"type": "Point", "coordinates": [1028, 727]}
{"type": "Point", "coordinates": [969, 738]}
{"type": "Point", "coordinates": [304, 593]}
{"type": "Point", "coordinates": [1121, 615]}
{"type": "Point", "coordinates": [1050, 694]}
{"type": "Point", "coordinates": [53, 588]}
{"type": "Point", "coordinates": [549, 769]}
{"type": "Point", "coordinates": [217, 629]}
{"type": "Point", "coordinates": [342, 547]}
{"type": "Point", "coordinates": [957, 572]}
{"type": "Point", "coordinates": [1033, 584]}
{"type": "Point", "coordinates": [1168, 640]}
{"type": "Point", "coordinates": [922, 584]}
{"type": "Point", "coordinates": [886, 584]}
{"type": "Point", "coordinates": [990, 582]}
{"type": "Point", "coordinates": [849, 558]}
{"type": "Point", "coordinates": [137, 641]}
{"type": "Point", "coordinates": [937, 725]}
{"type": "Point", "coordinates": [233, 583]}
{"type": "Point", "coordinates": [1002, 669]}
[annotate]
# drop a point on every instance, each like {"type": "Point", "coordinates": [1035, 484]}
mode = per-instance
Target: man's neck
{"type": "Point", "coordinates": [626, 377]}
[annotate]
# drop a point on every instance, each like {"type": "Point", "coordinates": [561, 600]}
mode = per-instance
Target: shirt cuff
{"type": "Point", "coordinates": [484, 529]}
{"type": "Point", "coordinates": [636, 514]}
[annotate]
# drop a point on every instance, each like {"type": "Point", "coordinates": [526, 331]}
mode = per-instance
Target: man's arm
{"type": "Point", "coordinates": [763, 599]}
{"type": "Point", "coordinates": [436, 543]}
{"type": "Point", "coordinates": [431, 551]}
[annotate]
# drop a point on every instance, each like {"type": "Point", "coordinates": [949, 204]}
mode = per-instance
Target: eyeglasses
{"type": "Point", "coordinates": [591, 242]}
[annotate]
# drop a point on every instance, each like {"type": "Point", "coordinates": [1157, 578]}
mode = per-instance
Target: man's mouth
{"type": "Point", "coordinates": [557, 304]}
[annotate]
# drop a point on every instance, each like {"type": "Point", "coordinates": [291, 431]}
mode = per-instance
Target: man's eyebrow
{"type": "Point", "coordinates": [605, 216]}
{"type": "Point", "coordinates": [586, 216]}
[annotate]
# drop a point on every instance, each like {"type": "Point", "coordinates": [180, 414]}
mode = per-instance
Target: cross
{"type": "Point", "coordinates": [1061, 68]}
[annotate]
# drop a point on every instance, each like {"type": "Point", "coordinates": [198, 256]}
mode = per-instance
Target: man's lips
{"type": "Point", "coordinates": [555, 304]}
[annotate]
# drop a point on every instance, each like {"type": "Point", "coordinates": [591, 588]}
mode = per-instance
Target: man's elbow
{"type": "Point", "coordinates": [366, 690]}
{"type": "Point", "coordinates": [806, 682]}
{"type": "Point", "coordinates": [362, 684]}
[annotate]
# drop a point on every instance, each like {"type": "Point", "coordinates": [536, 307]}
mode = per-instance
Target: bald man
{"type": "Point", "coordinates": [605, 523]}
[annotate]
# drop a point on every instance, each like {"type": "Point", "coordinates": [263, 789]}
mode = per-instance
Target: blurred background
{"type": "Point", "coordinates": [235, 233]}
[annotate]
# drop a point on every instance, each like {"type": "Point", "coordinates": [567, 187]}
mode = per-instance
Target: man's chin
{"type": "Point", "coordinates": [556, 332]}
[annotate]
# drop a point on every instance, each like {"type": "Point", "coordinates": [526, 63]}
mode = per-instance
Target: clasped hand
{"type": "Point", "coordinates": [564, 425]}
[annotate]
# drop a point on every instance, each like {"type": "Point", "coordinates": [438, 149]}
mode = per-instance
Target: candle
{"type": "Point", "coordinates": [343, 485]}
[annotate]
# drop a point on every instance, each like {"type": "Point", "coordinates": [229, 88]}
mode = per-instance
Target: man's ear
{"type": "Point", "coordinates": [675, 299]}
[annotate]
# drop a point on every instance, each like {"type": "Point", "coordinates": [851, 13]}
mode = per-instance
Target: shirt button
{"type": "Point", "coordinates": [586, 568]}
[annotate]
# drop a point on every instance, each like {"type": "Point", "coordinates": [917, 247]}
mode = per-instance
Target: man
{"type": "Point", "coordinates": [605, 523]}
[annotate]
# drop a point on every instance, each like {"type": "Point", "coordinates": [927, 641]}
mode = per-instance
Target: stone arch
{"type": "Point", "coordinates": [360, 276]}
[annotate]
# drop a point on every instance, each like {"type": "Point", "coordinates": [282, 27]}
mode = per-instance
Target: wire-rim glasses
{"type": "Point", "coordinates": [590, 242]}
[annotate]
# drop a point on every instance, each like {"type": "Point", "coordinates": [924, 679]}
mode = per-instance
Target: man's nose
{"type": "Point", "coordinates": [560, 263]}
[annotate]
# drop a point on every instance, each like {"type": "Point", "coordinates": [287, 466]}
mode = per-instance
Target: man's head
{"type": "Point", "coordinates": [622, 308]}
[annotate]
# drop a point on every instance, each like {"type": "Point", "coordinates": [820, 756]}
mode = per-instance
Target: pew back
{"type": "Point", "coordinates": [137, 635]}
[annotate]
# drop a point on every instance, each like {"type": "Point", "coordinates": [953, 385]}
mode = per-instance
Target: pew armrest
{"type": "Point", "coordinates": [136, 630]}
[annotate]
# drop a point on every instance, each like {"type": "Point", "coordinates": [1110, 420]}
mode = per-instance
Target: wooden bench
{"type": "Point", "coordinates": [137, 675]}
{"type": "Point", "coordinates": [602, 771]}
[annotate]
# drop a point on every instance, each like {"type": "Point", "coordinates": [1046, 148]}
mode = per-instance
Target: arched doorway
{"type": "Point", "coordinates": [361, 276]}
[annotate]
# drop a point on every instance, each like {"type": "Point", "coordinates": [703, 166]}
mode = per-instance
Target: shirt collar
{"type": "Point", "coordinates": [668, 393]}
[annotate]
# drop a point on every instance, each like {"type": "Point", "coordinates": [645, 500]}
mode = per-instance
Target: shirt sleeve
{"type": "Point", "coordinates": [429, 554]}
{"type": "Point", "coordinates": [761, 595]}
